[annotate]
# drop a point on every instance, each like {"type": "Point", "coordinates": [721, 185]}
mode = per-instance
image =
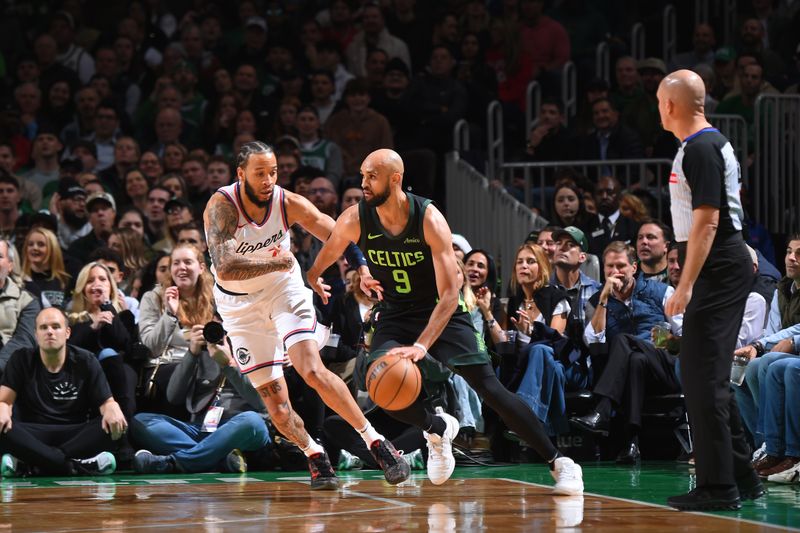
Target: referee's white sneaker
{"type": "Point", "coordinates": [441, 462]}
{"type": "Point", "coordinates": [569, 477]}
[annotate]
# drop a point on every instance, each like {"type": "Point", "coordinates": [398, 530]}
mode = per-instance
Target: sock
{"type": "Point", "coordinates": [435, 424]}
{"type": "Point", "coordinates": [552, 462]}
{"type": "Point", "coordinates": [604, 407]}
{"type": "Point", "coordinates": [369, 434]}
{"type": "Point", "coordinates": [312, 448]}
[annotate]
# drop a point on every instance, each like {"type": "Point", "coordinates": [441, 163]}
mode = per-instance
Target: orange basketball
{"type": "Point", "coordinates": [393, 382]}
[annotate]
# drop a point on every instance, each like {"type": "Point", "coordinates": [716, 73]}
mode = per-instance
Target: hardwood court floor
{"type": "Point", "coordinates": [477, 499]}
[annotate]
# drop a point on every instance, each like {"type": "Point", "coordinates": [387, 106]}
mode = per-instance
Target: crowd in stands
{"type": "Point", "coordinates": [121, 119]}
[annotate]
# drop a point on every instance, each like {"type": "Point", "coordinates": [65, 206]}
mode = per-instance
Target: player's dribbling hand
{"type": "Point", "coordinates": [323, 290]}
{"type": "Point", "coordinates": [408, 352]}
{"type": "Point", "coordinates": [676, 304]}
{"type": "Point", "coordinates": [371, 287]}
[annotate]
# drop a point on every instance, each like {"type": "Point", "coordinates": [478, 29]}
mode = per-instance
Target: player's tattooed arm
{"type": "Point", "coordinates": [221, 218]}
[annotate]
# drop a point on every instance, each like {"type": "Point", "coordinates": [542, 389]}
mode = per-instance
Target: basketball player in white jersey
{"type": "Point", "coordinates": [267, 310]}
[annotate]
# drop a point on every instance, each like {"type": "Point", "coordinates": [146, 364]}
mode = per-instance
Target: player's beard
{"type": "Point", "coordinates": [378, 199]}
{"type": "Point", "coordinates": [253, 197]}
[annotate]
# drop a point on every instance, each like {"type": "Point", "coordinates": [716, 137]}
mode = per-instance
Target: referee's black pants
{"type": "Point", "coordinates": [710, 328]}
{"type": "Point", "coordinates": [636, 369]}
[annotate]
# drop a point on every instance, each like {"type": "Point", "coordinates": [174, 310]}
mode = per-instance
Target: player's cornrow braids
{"type": "Point", "coordinates": [248, 149]}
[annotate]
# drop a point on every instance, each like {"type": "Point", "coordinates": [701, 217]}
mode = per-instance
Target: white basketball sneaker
{"type": "Point", "coordinates": [569, 477]}
{"type": "Point", "coordinates": [441, 462]}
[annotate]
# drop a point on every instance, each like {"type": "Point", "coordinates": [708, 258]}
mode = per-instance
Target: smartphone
{"type": "Point", "coordinates": [108, 306]}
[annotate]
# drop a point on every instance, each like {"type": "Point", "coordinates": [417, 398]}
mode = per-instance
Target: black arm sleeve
{"type": "Point", "coordinates": [704, 169]}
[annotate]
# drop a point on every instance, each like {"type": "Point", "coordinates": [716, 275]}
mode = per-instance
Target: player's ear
{"type": "Point", "coordinates": [240, 173]}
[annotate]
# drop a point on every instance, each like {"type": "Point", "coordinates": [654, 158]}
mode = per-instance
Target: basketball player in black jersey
{"type": "Point", "coordinates": [408, 247]}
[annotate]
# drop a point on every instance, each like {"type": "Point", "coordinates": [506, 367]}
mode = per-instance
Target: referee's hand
{"type": "Point", "coordinates": [676, 304]}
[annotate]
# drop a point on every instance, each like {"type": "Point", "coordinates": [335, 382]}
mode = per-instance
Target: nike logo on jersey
{"type": "Point", "coordinates": [370, 236]}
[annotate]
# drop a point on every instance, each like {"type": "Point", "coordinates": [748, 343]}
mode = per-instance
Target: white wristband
{"type": "Point", "coordinates": [421, 347]}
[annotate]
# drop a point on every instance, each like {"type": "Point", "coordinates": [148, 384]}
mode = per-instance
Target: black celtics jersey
{"type": "Point", "coordinates": [403, 264]}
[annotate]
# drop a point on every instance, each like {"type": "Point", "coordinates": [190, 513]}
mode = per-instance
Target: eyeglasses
{"type": "Point", "coordinates": [321, 190]}
{"type": "Point", "coordinates": [175, 210]}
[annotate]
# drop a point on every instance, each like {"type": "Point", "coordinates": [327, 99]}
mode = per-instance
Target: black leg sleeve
{"type": "Point", "coordinates": [512, 410]}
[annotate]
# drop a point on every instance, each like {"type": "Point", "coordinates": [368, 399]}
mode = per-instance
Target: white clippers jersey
{"type": "Point", "coordinates": [262, 239]}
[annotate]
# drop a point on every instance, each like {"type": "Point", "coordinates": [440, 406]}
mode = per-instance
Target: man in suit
{"type": "Point", "coordinates": [610, 225]}
{"type": "Point", "coordinates": [610, 139]}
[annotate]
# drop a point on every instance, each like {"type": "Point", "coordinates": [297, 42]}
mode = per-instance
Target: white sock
{"type": "Point", "coordinates": [369, 434]}
{"type": "Point", "coordinates": [311, 447]}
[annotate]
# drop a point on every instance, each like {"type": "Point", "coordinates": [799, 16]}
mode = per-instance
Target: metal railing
{"type": "Point", "coordinates": [775, 190]}
{"type": "Point", "coordinates": [651, 174]}
{"type": "Point", "coordinates": [637, 41]}
{"type": "Point", "coordinates": [487, 216]}
{"type": "Point", "coordinates": [700, 11]}
{"type": "Point", "coordinates": [727, 9]}
{"type": "Point", "coordinates": [602, 62]}
{"type": "Point", "coordinates": [569, 90]}
{"type": "Point", "coordinates": [533, 101]}
{"type": "Point", "coordinates": [669, 37]}
{"type": "Point", "coordinates": [461, 136]}
{"type": "Point", "coordinates": [735, 129]}
{"type": "Point", "coordinates": [494, 138]}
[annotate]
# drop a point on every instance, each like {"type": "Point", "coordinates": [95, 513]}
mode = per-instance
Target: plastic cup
{"type": "Point", "coordinates": [738, 368]}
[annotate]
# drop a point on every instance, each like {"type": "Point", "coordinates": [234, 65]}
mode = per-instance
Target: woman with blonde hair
{"type": "Point", "coordinates": [43, 270]}
{"type": "Point", "coordinates": [534, 299]}
{"type": "Point", "coordinates": [171, 321]}
{"type": "Point", "coordinates": [97, 327]}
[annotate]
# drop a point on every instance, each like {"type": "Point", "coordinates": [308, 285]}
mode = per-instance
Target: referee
{"type": "Point", "coordinates": [707, 218]}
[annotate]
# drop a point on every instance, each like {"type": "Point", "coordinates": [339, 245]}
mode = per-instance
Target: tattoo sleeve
{"type": "Point", "coordinates": [221, 218]}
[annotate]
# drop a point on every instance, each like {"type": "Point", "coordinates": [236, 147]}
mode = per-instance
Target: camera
{"type": "Point", "coordinates": [213, 332]}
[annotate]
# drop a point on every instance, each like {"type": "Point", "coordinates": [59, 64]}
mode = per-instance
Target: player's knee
{"type": "Point", "coordinates": [314, 375]}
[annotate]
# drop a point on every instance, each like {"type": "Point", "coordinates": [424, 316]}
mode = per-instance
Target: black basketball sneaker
{"type": "Point", "coordinates": [395, 468]}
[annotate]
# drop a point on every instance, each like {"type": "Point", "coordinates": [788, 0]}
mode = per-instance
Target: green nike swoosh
{"type": "Point", "coordinates": [370, 237]}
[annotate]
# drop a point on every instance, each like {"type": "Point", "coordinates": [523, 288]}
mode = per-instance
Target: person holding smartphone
{"type": "Point", "coordinates": [96, 326]}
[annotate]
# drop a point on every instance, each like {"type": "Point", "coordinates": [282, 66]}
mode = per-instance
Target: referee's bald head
{"type": "Point", "coordinates": [681, 98]}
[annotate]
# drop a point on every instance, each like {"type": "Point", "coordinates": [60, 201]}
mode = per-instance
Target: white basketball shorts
{"type": "Point", "coordinates": [262, 326]}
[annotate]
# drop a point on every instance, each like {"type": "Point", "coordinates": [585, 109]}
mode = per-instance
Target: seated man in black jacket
{"type": "Point", "coordinates": [225, 418]}
{"type": "Point", "coordinates": [55, 391]}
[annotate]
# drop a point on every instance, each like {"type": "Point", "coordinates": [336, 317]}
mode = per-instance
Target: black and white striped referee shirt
{"type": "Point", "coordinates": [705, 172]}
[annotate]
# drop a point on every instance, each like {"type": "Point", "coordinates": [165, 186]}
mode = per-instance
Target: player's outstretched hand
{"type": "Point", "coordinates": [323, 290]}
{"type": "Point", "coordinates": [408, 352]}
{"type": "Point", "coordinates": [371, 287]}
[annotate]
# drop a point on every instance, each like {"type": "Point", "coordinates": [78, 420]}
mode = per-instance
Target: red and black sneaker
{"type": "Point", "coordinates": [395, 468]}
{"type": "Point", "coordinates": [322, 475]}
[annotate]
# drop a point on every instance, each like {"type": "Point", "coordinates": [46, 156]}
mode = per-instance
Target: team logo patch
{"type": "Point", "coordinates": [242, 355]}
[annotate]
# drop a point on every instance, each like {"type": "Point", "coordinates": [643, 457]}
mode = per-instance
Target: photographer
{"type": "Point", "coordinates": [224, 420]}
